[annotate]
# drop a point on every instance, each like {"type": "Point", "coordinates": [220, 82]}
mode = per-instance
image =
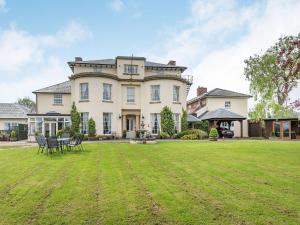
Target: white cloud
{"type": "Point", "coordinates": [52, 71]}
{"type": "Point", "coordinates": [221, 34]}
{"type": "Point", "coordinates": [19, 48]}
{"type": "Point", "coordinates": [117, 5]}
{"type": "Point", "coordinates": [2, 5]}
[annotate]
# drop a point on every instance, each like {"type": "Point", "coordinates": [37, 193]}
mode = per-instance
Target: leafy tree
{"type": "Point", "coordinates": [167, 121]}
{"type": "Point", "coordinates": [92, 127]}
{"type": "Point", "coordinates": [273, 75]}
{"type": "Point", "coordinates": [296, 104]}
{"type": "Point", "coordinates": [183, 120]}
{"type": "Point", "coordinates": [28, 102]}
{"type": "Point", "coordinates": [75, 119]}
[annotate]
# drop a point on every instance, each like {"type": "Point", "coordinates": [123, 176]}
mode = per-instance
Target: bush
{"type": "Point", "coordinates": [167, 121]}
{"type": "Point", "coordinates": [163, 135]}
{"type": "Point", "coordinates": [189, 137]}
{"type": "Point", "coordinates": [92, 127]}
{"type": "Point", "coordinates": [183, 120]}
{"type": "Point", "coordinates": [13, 135]}
{"type": "Point", "coordinates": [202, 125]}
{"type": "Point", "coordinates": [213, 133]}
{"type": "Point", "coordinates": [200, 134]}
{"type": "Point", "coordinates": [59, 133]}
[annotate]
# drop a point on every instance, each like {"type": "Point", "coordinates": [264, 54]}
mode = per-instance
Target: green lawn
{"type": "Point", "coordinates": [224, 182]}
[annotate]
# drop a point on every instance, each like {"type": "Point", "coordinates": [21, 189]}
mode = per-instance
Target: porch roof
{"type": "Point", "coordinates": [221, 114]}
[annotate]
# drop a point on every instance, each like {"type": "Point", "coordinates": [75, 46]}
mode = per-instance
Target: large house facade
{"type": "Point", "coordinates": [119, 94]}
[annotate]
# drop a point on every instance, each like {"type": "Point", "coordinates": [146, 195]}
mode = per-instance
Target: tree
{"type": "Point", "coordinates": [167, 121]}
{"type": "Point", "coordinates": [28, 102]}
{"type": "Point", "coordinates": [183, 120]}
{"type": "Point", "coordinates": [75, 119]}
{"type": "Point", "coordinates": [274, 74]}
{"type": "Point", "coordinates": [296, 104]}
{"type": "Point", "coordinates": [92, 127]}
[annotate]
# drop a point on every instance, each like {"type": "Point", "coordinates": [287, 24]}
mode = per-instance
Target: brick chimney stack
{"type": "Point", "coordinates": [172, 63]}
{"type": "Point", "coordinates": [78, 59]}
{"type": "Point", "coordinates": [201, 90]}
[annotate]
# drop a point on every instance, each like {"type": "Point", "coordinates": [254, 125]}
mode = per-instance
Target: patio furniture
{"type": "Point", "coordinates": [53, 143]}
{"type": "Point", "coordinates": [63, 141]}
{"type": "Point", "coordinates": [41, 140]}
{"type": "Point", "coordinates": [77, 143]}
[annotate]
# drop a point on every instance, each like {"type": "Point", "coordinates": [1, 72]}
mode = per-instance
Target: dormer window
{"type": "Point", "coordinates": [130, 69]}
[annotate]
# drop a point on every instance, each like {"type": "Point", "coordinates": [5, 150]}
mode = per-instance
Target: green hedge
{"type": "Point", "coordinates": [196, 133]}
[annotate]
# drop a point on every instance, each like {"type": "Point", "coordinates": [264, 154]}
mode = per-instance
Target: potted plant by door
{"type": "Point", "coordinates": [13, 136]}
{"type": "Point", "coordinates": [213, 134]}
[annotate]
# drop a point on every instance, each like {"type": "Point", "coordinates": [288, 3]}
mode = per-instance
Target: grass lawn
{"type": "Point", "coordinates": [224, 182]}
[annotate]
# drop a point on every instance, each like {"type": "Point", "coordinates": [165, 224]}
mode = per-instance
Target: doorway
{"type": "Point", "coordinates": [130, 123]}
{"type": "Point", "coordinates": [50, 129]}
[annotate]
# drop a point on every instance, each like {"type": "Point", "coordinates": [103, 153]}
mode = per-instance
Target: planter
{"type": "Point", "coordinates": [213, 138]}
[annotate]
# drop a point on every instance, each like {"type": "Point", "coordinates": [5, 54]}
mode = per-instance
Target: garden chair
{"type": "Point", "coordinates": [52, 143]}
{"type": "Point", "coordinates": [42, 143]}
{"type": "Point", "coordinates": [76, 144]}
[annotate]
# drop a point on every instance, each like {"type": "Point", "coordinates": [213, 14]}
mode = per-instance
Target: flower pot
{"type": "Point", "coordinates": [213, 138]}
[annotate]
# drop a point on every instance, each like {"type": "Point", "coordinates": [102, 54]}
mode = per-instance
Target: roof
{"type": "Point", "coordinates": [221, 93]}
{"type": "Point", "coordinates": [64, 87]}
{"type": "Point", "coordinates": [221, 114]}
{"type": "Point", "coordinates": [13, 110]}
{"type": "Point", "coordinates": [113, 62]}
{"type": "Point", "coordinates": [192, 118]}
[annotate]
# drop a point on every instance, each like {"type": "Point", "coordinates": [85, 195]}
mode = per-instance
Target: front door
{"type": "Point", "coordinates": [130, 123]}
{"type": "Point", "coordinates": [286, 129]}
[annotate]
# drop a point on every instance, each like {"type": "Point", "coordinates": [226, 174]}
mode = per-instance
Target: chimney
{"type": "Point", "coordinates": [201, 90]}
{"type": "Point", "coordinates": [78, 59]}
{"type": "Point", "coordinates": [172, 63]}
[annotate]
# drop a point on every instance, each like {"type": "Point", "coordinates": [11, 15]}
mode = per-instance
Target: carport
{"type": "Point", "coordinates": [216, 117]}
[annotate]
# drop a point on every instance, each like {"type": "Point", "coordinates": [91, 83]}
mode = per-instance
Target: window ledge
{"type": "Point", "coordinates": [179, 103]}
{"type": "Point", "coordinates": [84, 100]}
{"type": "Point", "coordinates": [108, 101]}
{"type": "Point", "coordinates": [155, 102]}
{"type": "Point", "coordinates": [57, 104]}
{"type": "Point", "coordinates": [130, 103]}
{"type": "Point", "coordinates": [134, 74]}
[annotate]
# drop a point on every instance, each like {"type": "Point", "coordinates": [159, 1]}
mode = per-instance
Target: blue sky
{"type": "Point", "coordinates": [212, 38]}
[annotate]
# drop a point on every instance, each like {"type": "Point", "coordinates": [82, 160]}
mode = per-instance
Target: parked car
{"type": "Point", "coordinates": [224, 132]}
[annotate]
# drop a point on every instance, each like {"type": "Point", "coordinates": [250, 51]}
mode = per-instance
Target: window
{"type": "Point", "coordinates": [57, 99]}
{"type": "Point", "coordinates": [84, 122]}
{"type": "Point", "coordinates": [130, 94]}
{"type": "Point", "coordinates": [176, 93]}
{"type": "Point", "coordinates": [176, 122]}
{"type": "Point", "coordinates": [10, 126]}
{"type": "Point", "coordinates": [130, 69]}
{"type": "Point", "coordinates": [227, 104]}
{"type": "Point", "coordinates": [84, 91]}
{"type": "Point", "coordinates": [155, 123]}
{"type": "Point", "coordinates": [107, 92]}
{"type": "Point", "coordinates": [155, 93]}
{"type": "Point", "coordinates": [107, 123]}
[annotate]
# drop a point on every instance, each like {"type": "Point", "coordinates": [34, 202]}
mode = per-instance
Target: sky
{"type": "Point", "coordinates": [211, 38]}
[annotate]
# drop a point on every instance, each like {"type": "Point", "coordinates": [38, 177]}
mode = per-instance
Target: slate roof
{"type": "Point", "coordinates": [64, 88]}
{"type": "Point", "coordinates": [218, 92]}
{"type": "Point", "coordinates": [221, 114]}
{"type": "Point", "coordinates": [13, 110]}
{"type": "Point", "coordinates": [113, 62]}
{"type": "Point", "coordinates": [192, 118]}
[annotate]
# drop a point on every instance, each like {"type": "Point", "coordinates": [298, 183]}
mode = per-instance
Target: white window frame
{"type": "Point", "coordinates": [176, 118]}
{"type": "Point", "coordinates": [57, 99]}
{"type": "Point", "coordinates": [84, 94]}
{"type": "Point", "coordinates": [84, 122]}
{"type": "Point", "coordinates": [130, 69]}
{"type": "Point", "coordinates": [106, 95]}
{"type": "Point", "coordinates": [227, 104]}
{"type": "Point", "coordinates": [130, 94]}
{"type": "Point", "coordinates": [155, 93]}
{"type": "Point", "coordinates": [10, 125]}
{"type": "Point", "coordinates": [155, 123]}
{"type": "Point", "coordinates": [107, 122]}
{"type": "Point", "coordinates": [176, 91]}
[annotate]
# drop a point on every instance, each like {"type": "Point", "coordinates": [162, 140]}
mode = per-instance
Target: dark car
{"type": "Point", "coordinates": [224, 132]}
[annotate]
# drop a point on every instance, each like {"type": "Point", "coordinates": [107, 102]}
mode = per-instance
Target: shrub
{"type": "Point", "coordinates": [75, 119]}
{"type": "Point", "coordinates": [92, 127]}
{"type": "Point", "coordinates": [199, 133]}
{"type": "Point", "coordinates": [183, 120]}
{"type": "Point", "coordinates": [163, 135]}
{"type": "Point", "coordinates": [213, 133]}
{"type": "Point", "coordinates": [167, 121]}
{"type": "Point", "coordinates": [59, 133]}
{"type": "Point", "coordinates": [189, 137]}
{"type": "Point", "coordinates": [13, 135]}
{"type": "Point", "coordinates": [202, 125]}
